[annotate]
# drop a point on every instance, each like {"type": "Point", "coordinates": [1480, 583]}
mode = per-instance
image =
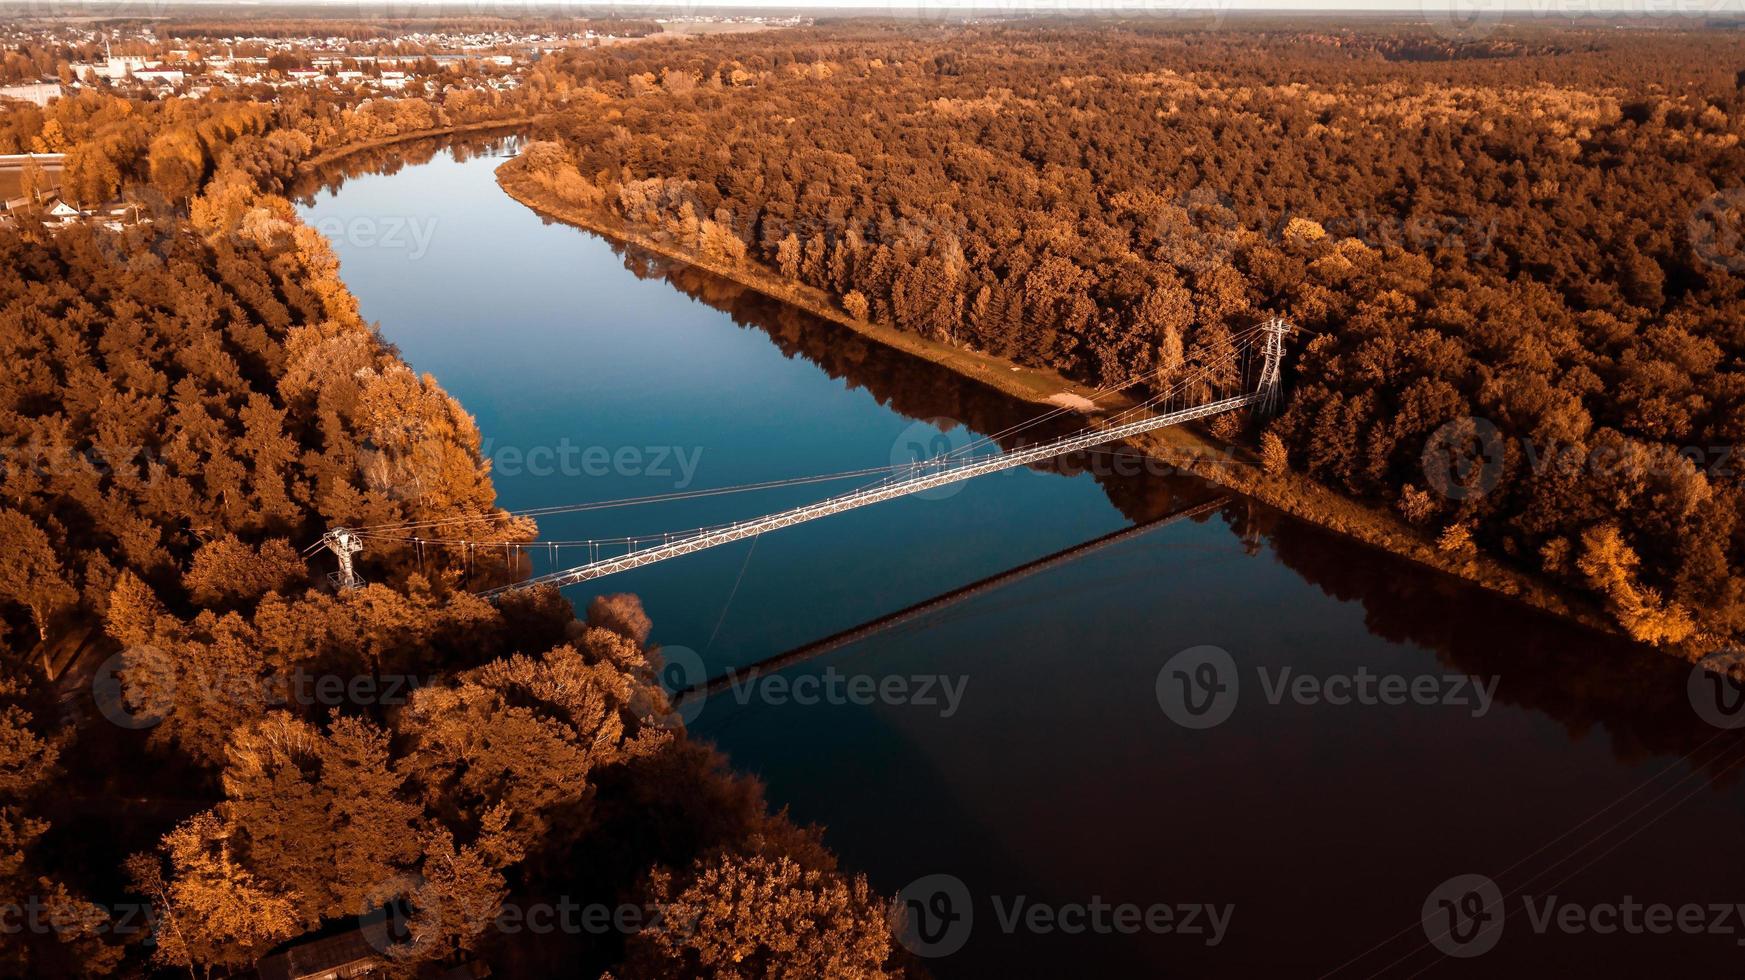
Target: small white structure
{"type": "Point", "coordinates": [343, 543]}
{"type": "Point", "coordinates": [118, 67]}
{"type": "Point", "coordinates": [160, 75]}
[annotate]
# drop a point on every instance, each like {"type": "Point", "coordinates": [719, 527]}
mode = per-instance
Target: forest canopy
{"type": "Point", "coordinates": [189, 402]}
{"type": "Point", "coordinates": [1523, 249]}
{"type": "Point", "coordinates": [1527, 244]}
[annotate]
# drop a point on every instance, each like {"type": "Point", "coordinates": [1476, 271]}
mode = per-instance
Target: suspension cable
{"type": "Point", "coordinates": [1234, 349]}
{"type": "Point", "coordinates": [657, 498]}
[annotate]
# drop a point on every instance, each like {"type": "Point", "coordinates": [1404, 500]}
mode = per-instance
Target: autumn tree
{"type": "Point", "coordinates": [30, 571]}
{"type": "Point", "coordinates": [1610, 565]}
{"type": "Point", "coordinates": [525, 733]}
{"type": "Point", "coordinates": [755, 916]}
{"type": "Point", "coordinates": [178, 164]}
{"type": "Point", "coordinates": [219, 914]}
{"type": "Point", "coordinates": [319, 815]}
{"type": "Point", "coordinates": [226, 571]}
{"type": "Point", "coordinates": [33, 180]}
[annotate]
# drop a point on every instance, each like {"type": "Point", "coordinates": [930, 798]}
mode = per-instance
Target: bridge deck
{"type": "Point", "coordinates": [924, 476]}
{"type": "Point", "coordinates": [948, 474]}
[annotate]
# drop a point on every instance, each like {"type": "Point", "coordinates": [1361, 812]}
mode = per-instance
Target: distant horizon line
{"type": "Point", "coordinates": [1548, 9]}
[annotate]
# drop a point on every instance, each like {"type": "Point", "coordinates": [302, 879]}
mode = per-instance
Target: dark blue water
{"type": "Point", "coordinates": [1055, 775]}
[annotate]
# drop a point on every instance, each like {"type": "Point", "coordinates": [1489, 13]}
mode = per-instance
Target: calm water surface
{"type": "Point", "coordinates": [1056, 777]}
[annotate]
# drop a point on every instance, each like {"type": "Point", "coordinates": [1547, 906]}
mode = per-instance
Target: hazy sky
{"type": "Point", "coordinates": [1547, 8]}
{"type": "Point", "coordinates": [1560, 9]}
{"type": "Point", "coordinates": [1552, 8]}
{"type": "Point", "coordinates": [1455, 18]}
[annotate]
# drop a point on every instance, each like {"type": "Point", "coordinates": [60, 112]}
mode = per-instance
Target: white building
{"type": "Point", "coordinates": [119, 68]}
{"type": "Point", "coordinates": [166, 76]}
{"type": "Point", "coordinates": [36, 93]}
{"type": "Point", "coordinates": [116, 68]}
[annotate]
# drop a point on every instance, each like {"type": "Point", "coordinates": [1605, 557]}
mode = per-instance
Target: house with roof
{"type": "Point", "coordinates": [355, 953]}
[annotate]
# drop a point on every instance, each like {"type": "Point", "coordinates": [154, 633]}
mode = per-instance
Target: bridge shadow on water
{"type": "Point", "coordinates": [1584, 679]}
{"type": "Point", "coordinates": [1059, 777]}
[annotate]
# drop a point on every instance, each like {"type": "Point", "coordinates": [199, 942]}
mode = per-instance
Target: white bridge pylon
{"type": "Point", "coordinates": [1264, 396]}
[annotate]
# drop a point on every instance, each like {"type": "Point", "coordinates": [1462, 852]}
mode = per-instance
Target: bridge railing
{"type": "Point", "coordinates": [724, 534]}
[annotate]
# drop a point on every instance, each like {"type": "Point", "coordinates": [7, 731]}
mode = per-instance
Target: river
{"type": "Point", "coordinates": [1388, 729]}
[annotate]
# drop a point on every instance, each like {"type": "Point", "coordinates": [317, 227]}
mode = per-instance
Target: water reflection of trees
{"type": "Point", "coordinates": [1583, 679]}
{"type": "Point", "coordinates": [1143, 490]}
{"type": "Point", "coordinates": [391, 158]}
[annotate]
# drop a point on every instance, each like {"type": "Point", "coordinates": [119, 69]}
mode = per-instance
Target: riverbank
{"type": "Point", "coordinates": [338, 153]}
{"type": "Point", "coordinates": [1185, 447]}
{"type": "Point", "coordinates": [549, 333]}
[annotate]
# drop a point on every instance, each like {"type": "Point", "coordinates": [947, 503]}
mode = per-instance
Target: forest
{"type": "Point", "coordinates": [1528, 244]}
{"type": "Point", "coordinates": [1521, 253]}
{"type": "Point", "coordinates": [388, 29]}
{"type": "Point", "coordinates": [189, 402]}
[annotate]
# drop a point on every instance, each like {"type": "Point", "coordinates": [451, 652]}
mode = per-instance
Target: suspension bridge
{"type": "Point", "coordinates": [1245, 373]}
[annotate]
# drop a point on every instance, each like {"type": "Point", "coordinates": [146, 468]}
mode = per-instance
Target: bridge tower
{"type": "Point", "coordinates": [343, 543]}
{"type": "Point", "coordinates": [1179, 407]}
{"type": "Point", "coordinates": [1272, 364]}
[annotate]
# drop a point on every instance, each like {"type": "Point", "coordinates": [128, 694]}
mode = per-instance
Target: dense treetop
{"type": "Point", "coordinates": [1539, 232]}
{"type": "Point", "coordinates": [191, 401]}
{"type": "Point", "coordinates": [1533, 235]}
